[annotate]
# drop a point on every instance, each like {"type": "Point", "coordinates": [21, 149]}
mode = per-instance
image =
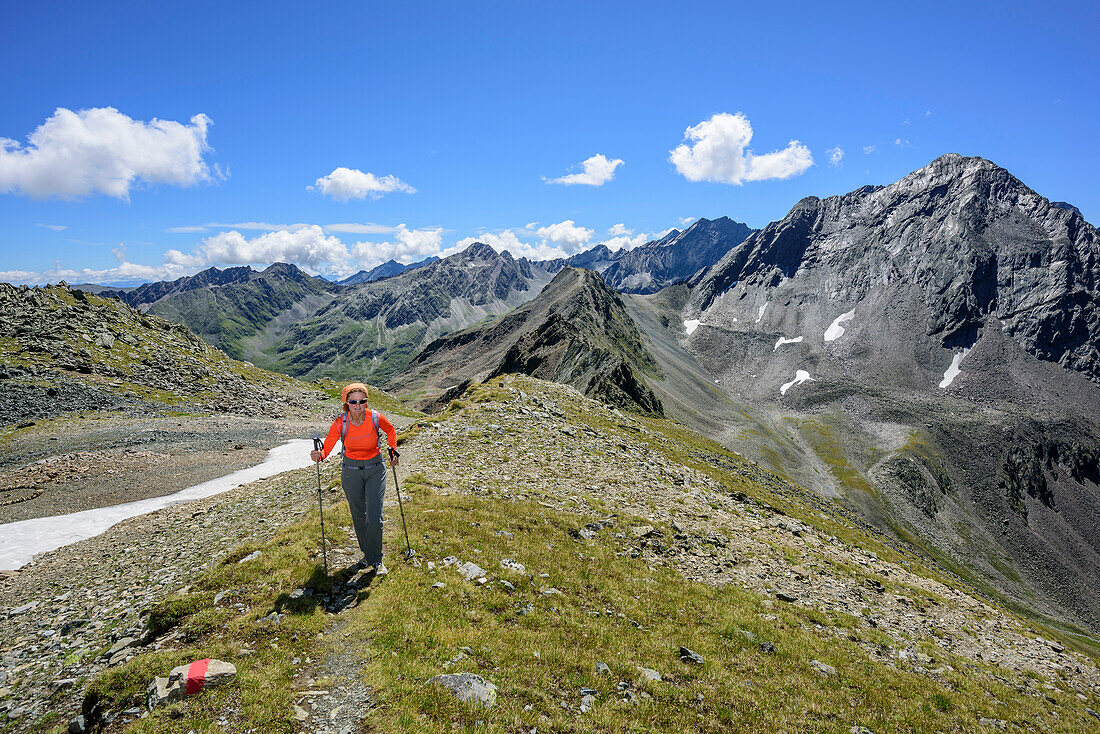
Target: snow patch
{"type": "Point", "coordinates": [835, 330]}
{"type": "Point", "coordinates": [953, 371]}
{"type": "Point", "coordinates": [799, 377]}
{"type": "Point", "coordinates": [691, 325]}
{"type": "Point", "coordinates": [20, 541]}
{"type": "Point", "coordinates": [784, 340]}
{"type": "Point", "coordinates": [761, 314]}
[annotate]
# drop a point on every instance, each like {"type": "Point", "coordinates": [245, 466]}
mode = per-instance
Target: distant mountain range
{"type": "Point", "coordinates": [385, 270]}
{"type": "Point", "coordinates": [660, 263]}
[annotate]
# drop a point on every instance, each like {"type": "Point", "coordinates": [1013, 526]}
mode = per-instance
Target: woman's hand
{"type": "Point", "coordinates": [394, 456]}
{"type": "Point", "coordinates": [315, 455]}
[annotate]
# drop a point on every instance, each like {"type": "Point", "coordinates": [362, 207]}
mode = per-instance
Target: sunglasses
{"type": "Point", "coordinates": [357, 402]}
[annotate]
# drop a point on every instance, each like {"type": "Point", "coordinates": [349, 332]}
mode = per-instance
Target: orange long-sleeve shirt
{"type": "Point", "coordinates": [361, 442]}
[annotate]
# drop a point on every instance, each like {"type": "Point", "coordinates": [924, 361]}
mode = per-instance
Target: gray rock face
{"type": "Point", "coordinates": [954, 245]}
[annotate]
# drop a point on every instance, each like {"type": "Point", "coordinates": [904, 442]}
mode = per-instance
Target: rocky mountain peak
{"type": "Point", "coordinates": [961, 239]}
{"type": "Point", "coordinates": [479, 251]}
{"type": "Point", "coordinates": [285, 271]}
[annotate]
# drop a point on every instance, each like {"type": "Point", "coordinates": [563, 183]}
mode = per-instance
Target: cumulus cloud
{"type": "Point", "coordinates": [618, 230]}
{"type": "Point", "coordinates": [345, 184]}
{"type": "Point", "coordinates": [306, 246]}
{"type": "Point", "coordinates": [408, 245]}
{"type": "Point", "coordinates": [598, 170]}
{"type": "Point", "coordinates": [566, 235]}
{"type": "Point", "coordinates": [836, 155]}
{"type": "Point", "coordinates": [717, 150]}
{"type": "Point", "coordinates": [101, 150]}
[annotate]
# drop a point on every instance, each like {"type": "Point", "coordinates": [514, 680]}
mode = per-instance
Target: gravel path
{"type": "Point", "coordinates": [54, 632]}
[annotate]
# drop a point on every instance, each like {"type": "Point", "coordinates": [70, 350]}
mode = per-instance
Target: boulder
{"type": "Point", "coordinates": [468, 687]}
{"type": "Point", "coordinates": [187, 680]}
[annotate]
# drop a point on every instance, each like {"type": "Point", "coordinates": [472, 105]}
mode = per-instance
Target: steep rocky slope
{"type": "Point", "coordinates": [675, 257]}
{"type": "Point", "coordinates": [118, 356]}
{"type": "Point", "coordinates": [576, 332]}
{"type": "Point", "coordinates": [927, 351]}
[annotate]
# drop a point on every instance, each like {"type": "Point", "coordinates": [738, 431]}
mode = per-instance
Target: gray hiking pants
{"type": "Point", "coordinates": [364, 484]}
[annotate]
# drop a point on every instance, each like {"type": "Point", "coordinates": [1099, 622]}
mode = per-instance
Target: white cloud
{"type": "Point", "coordinates": [928, 113]}
{"type": "Point", "coordinates": [345, 184]}
{"type": "Point", "coordinates": [55, 227]}
{"type": "Point", "coordinates": [720, 153]}
{"type": "Point", "coordinates": [186, 230]}
{"type": "Point", "coordinates": [687, 220]}
{"type": "Point", "coordinates": [355, 228]}
{"type": "Point", "coordinates": [836, 155]}
{"type": "Point", "coordinates": [101, 150]}
{"type": "Point", "coordinates": [626, 241]}
{"type": "Point", "coordinates": [902, 143]}
{"type": "Point", "coordinates": [123, 273]}
{"type": "Point", "coordinates": [259, 226]}
{"type": "Point", "coordinates": [869, 149]}
{"type": "Point", "coordinates": [410, 245]}
{"type": "Point", "coordinates": [306, 246]}
{"type": "Point", "coordinates": [598, 170]}
{"type": "Point", "coordinates": [619, 230]}
{"type": "Point", "coordinates": [566, 235]}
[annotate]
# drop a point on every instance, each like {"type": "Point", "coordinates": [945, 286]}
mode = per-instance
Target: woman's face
{"type": "Point", "coordinates": [360, 409]}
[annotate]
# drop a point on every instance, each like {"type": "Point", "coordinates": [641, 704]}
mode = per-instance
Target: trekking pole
{"type": "Point", "coordinates": [408, 546]}
{"type": "Point", "coordinates": [317, 446]}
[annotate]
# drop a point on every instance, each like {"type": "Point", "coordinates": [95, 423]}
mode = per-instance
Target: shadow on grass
{"type": "Point", "coordinates": [334, 593]}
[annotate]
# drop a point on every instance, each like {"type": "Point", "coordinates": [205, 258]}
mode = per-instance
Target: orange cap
{"type": "Point", "coordinates": [353, 387]}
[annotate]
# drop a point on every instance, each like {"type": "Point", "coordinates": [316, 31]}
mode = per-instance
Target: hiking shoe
{"type": "Point", "coordinates": [380, 570]}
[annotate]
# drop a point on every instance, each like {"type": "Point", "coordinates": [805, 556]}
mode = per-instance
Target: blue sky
{"type": "Point", "coordinates": [415, 127]}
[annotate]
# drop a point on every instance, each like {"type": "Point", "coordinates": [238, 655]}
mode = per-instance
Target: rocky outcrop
{"type": "Point", "coordinates": [97, 352]}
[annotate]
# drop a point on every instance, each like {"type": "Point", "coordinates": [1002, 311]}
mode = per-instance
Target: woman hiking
{"type": "Point", "coordinates": [363, 475]}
